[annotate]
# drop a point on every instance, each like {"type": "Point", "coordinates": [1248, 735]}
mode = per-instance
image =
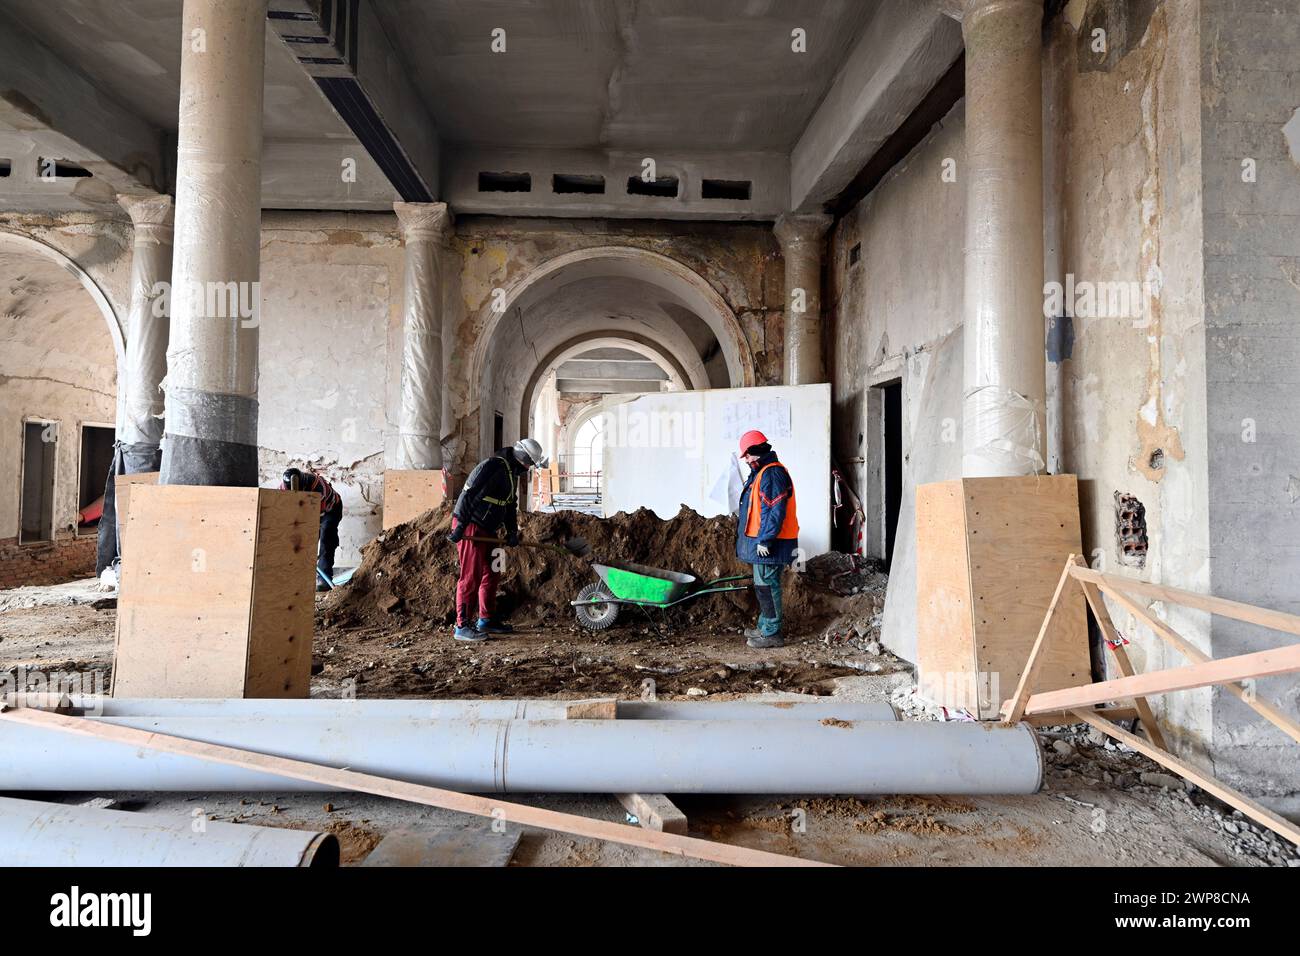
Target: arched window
{"type": "Point", "coordinates": [588, 454]}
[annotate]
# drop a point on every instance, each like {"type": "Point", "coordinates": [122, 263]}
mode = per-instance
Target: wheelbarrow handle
{"type": "Point", "coordinates": [522, 544]}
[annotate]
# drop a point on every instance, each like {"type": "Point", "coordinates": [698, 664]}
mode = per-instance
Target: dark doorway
{"type": "Point", "coordinates": [96, 462]}
{"type": "Point", "coordinates": [498, 431]}
{"type": "Point", "coordinates": [893, 463]}
{"type": "Point", "coordinates": [40, 447]}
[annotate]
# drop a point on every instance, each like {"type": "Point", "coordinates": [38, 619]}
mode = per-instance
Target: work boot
{"type": "Point", "coordinates": [763, 641]}
{"type": "Point", "coordinates": [752, 633]}
{"type": "Point", "coordinates": [489, 626]}
{"type": "Point", "coordinates": [464, 632]}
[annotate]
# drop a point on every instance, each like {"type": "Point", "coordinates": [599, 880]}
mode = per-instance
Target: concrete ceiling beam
{"type": "Point", "coordinates": [43, 96]}
{"type": "Point", "coordinates": [343, 48]}
{"type": "Point", "coordinates": [606, 386]}
{"type": "Point", "coordinates": [904, 51]}
{"type": "Point", "coordinates": [638, 370]}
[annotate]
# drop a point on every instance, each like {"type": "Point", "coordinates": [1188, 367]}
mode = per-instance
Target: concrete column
{"type": "Point", "coordinates": [424, 228]}
{"type": "Point", "coordinates": [211, 433]}
{"type": "Point", "coordinates": [146, 335]}
{"type": "Point", "coordinates": [1005, 368]}
{"type": "Point", "coordinates": [801, 246]}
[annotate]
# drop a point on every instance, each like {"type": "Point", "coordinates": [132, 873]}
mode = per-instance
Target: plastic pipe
{"type": "Point", "coordinates": [94, 706]}
{"type": "Point", "coordinates": [53, 834]}
{"type": "Point", "coordinates": [548, 756]}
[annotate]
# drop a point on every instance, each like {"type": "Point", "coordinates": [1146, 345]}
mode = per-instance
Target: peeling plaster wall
{"type": "Point", "coordinates": [896, 314]}
{"type": "Point", "coordinates": [330, 356]}
{"type": "Point", "coordinates": [1250, 111]}
{"type": "Point", "coordinates": [1127, 158]}
{"type": "Point", "coordinates": [57, 363]}
{"type": "Point", "coordinates": [742, 264]}
{"type": "Point", "coordinates": [1123, 164]}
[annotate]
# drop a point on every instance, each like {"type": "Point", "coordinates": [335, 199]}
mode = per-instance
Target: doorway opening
{"type": "Point", "coordinates": [96, 462]}
{"type": "Point", "coordinates": [891, 408]}
{"type": "Point", "coordinates": [498, 431]}
{"type": "Point", "coordinates": [40, 452]}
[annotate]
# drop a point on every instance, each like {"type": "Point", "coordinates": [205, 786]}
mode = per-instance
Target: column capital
{"type": "Point", "coordinates": [152, 217]}
{"type": "Point", "coordinates": [976, 10]}
{"type": "Point", "coordinates": [423, 221]}
{"type": "Point", "coordinates": [792, 229]}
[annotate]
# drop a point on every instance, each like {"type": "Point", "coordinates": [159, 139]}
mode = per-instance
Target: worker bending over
{"type": "Point", "coordinates": [488, 507]}
{"type": "Point", "coordinates": [331, 513]}
{"type": "Point", "coordinates": [767, 533]}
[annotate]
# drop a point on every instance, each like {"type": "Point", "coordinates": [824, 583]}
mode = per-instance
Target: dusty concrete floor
{"type": "Point", "coordinates": [1095, 809]}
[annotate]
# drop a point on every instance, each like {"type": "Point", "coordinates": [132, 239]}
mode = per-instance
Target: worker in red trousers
{"type": "Point", "coordinates": [488, 507]}
{"type": "Point", "coordinates": [767, 533]}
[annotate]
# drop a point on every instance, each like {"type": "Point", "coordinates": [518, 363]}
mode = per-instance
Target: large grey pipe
{"type": "Point", "coordinates": [547, 756]}
{"type": "Point", "coordinates": [53, 834]}
{"type": "Point", "coordinates": [354, 709]}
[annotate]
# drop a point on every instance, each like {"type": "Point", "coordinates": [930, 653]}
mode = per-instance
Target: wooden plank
{"type": "Point", "coordinates": [945, 634]}
{"type": "Point", "coordinates": [122, 500]}
{"type": "Point", "coordinates": [1020, 532]}
{"type": "Point", "coordinates": [453, 845]}
{"type": "Point", "coordinates": [1261, 815]}
{"type": "Point", "coordinates": [1037, 652]}
{"type": "Point", "coordinates": [1116, 644]}
{"type": "Point", "coordinates": [342, 779]}
{"type": "Point", "coordinates": [1281, 660]}
{"type": "Point", "coordinates": [284, 589]}
{"type": "Point", "coordinates": [598, 708]}
{"type": "Point", "coordinates": [654, 811]}
{"type": "Point", "coordinates": [1058, 717]}
{"type": "Point", "coordinates": [1193, 653]}
{"type": "Point", "coordinates": [409, 493]}
{"type": "Point", "coordinates": [1277, 620]}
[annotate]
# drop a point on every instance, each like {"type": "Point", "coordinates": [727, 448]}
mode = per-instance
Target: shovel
{"type": "Point", "coordinates": [574, 547]}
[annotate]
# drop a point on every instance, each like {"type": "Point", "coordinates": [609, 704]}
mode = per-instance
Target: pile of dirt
{"type": "Point", "coordinates": [411, 570]}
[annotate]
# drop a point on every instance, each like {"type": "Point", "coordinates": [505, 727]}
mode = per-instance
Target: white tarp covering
{"type": "Point", "coordinates": [666, 449]}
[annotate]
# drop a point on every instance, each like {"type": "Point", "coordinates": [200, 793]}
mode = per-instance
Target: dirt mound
{"type": "Point", "coordinates": [412, 569]}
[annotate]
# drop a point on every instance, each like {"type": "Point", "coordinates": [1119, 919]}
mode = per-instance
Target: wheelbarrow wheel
{"type": "Point", "coordinates": [596, 617]}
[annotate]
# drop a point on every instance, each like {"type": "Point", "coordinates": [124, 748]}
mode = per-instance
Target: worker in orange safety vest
{"type": "Point", "coordinates": [767, 533]}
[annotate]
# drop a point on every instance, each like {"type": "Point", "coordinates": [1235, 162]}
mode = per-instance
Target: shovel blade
{"type": "Point", "coordinates": [578, 547]}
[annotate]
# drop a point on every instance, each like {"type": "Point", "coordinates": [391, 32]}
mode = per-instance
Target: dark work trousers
{"type": "Point", "coordinates": [329, 539]}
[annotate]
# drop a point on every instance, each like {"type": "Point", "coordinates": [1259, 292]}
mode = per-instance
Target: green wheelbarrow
{"type": "Point", "coordinates": [621, 583]}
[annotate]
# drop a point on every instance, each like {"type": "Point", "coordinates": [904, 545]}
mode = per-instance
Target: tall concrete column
{"type": "Point", "coordinates": [146, 338]}
{"type": "Point", "coordinates": [801, 247]}
{"type": "Point", "coordinates": [424, 228]}
{"type": "Point", "coordinates": [1005, 367]}
{"type": "Point", "coordinates": [211, 433]}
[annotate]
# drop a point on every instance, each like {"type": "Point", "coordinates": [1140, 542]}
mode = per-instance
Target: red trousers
{"type": "Point", "coordinates": [476, 575]}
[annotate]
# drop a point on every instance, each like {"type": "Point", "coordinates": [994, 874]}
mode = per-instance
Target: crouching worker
{"type": "Point", "coordinates": [331, 513]}
{"type": "Point", "coordinates": [767, 533]}
{"type": "Point", "coordinates": [488, 507]}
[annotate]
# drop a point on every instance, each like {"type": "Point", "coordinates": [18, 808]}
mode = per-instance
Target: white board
{"type": "Point", "coordinates": [666, 449]}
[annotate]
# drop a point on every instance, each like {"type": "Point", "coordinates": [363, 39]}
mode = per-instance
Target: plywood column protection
{"type": "Point", "coordinates": [211, 420]}
{"type": "Point", "coordinates": [801, 246]}
{"type": "Point", "coordinates": [424, 227]}
{"type": "Point", "coordinates": [146, 338]}
{"type": "Point", "coordinates": [1005, 367]}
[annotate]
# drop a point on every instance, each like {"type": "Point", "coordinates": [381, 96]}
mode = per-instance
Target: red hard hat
{"type": "Point", "coordinates": [750, 439]}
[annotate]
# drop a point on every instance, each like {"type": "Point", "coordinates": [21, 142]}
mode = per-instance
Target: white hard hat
{"type": "Point", "coordinates": [529, 451]}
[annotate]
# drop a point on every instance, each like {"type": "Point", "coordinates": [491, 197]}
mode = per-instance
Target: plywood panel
{"type": "Point", "coordinates": [216, 593]}
{"type": "Point", "coordinates": [284, 588]}
{"type": "Point", "coordinates": [184, 601]}
{"type": "Point", "coordinates": [1020, 533]}
{"type": "Point", "coordinates": [122, 500]}
{"type": "Point", "coordinates": [408, 493]}
{"type": "Point", "coordinates": [945, 638]}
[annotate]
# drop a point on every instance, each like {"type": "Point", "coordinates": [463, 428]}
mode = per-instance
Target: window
{"type": "Point", "coordinates": [505, 183]}
{"type": "Point", "coordinates": [575, 183]}
{"type": "Point", "coordinates": [725, 189]}
{"type": "Point", "coordinates": [40, 447]}
{"type": "Point", "coordinates": [665, 187]}
{"type": "Point", "coordinates": [588, 455]}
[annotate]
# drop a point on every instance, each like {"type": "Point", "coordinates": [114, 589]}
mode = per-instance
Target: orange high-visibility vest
{"type": "Point", "coordinates": [754, 519]}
